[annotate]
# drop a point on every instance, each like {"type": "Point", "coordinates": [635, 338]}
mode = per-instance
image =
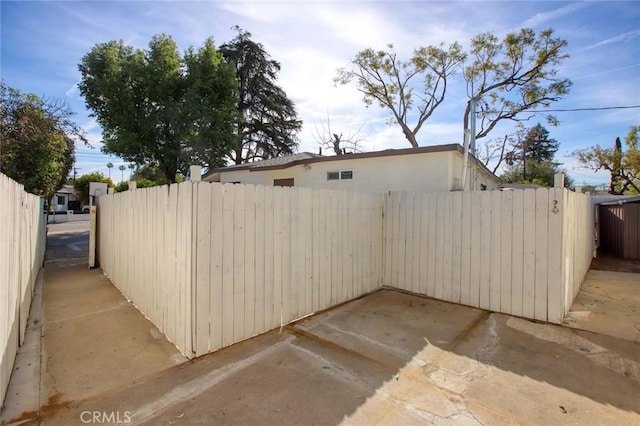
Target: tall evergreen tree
{"type": "Point", "coordinates": [268, 122]}
{"type": "Point", "coordinates": [538, 146]}
{"type": "Point", "coordinates": [531, 158]}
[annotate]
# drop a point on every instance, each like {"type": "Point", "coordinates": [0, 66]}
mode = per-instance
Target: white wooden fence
{"type": "Point", "coordinates": [214, 264]}
{"type": "Point", "coordinates": [522, 252]}
{"type": "Point", "coordinates": [22, 243]}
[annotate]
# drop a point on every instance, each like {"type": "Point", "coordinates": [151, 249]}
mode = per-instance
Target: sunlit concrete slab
{"type": "Point", "coordinates": [608, 303]}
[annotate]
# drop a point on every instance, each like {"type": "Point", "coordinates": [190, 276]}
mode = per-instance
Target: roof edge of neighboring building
{"type": "Point", "coordinates": [354, 156]}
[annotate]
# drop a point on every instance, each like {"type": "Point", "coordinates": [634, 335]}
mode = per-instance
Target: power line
{"type": "Point", "coordinates": [575, 109]}
{"type": "Point", "coordinates": [589, 109]}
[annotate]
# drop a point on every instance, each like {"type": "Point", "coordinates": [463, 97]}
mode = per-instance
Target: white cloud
{"type": "Point", "coordinates": [543, 17]}
{"type": "Point", "coordinates": [624, 37]}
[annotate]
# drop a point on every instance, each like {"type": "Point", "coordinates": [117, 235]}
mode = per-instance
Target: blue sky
{"type": "Point", "coordinates": [43, 42]}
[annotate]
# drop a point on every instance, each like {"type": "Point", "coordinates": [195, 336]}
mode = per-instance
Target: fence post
{"type": "Point", "coordinates": [195, 173]}
{"type": "Point", "coordinates": [558, 180]}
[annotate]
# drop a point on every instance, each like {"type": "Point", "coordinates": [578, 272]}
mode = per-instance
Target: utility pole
{"type": "Point", "coordinates": [469, 142]}
{"type": "Point", "coordinates": [75, 173]}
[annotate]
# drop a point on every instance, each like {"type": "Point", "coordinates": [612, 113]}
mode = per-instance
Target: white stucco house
{"type": "Point", "coordinates": [425, 169]}
{"type": "Point", "coordinates": [61, 198]}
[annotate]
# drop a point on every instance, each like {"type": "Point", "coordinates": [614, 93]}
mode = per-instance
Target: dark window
{"type": "Point", "coordinates": [346, 174]}
{"type": "Point", "coordinates": [60, 200]}
{"type": "Point", "coordinates": [283, 182]}
{"type": "Point", "coordinates": [333, 175]}
{"type": "Point", "coordinates": [483, 187]}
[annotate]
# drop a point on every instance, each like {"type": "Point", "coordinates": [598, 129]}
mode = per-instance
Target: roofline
{"type": "Point", "coordinates": [252, 167]}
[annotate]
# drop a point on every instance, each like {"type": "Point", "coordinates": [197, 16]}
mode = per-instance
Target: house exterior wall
{"type": "Point", "coordinates": [60, 202]}
{"type": "Point", "coordinates": [425, 172]}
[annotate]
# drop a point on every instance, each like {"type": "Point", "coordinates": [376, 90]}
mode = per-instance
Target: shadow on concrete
{"type": "Point", "coordinates": [393, 358]}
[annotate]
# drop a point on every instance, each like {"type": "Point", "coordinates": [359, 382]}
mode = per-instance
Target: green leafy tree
{"type": "Point", "coordinates": [153, 174]}
{"type": "Point", "coordinates": [530, 158]}
{"type": "Point", "coordinates": [510, 78]}
{"type": "Point", "coordinates": [109, 166]}
{"type": "Point", "coordinates": [539, 173]}
{"type": "Point", "coordinates": [81, 184]}
{"type": "Point", "coordinates": [36, 142]}
{"type": "Point", "coordinates": [386, 80]}
{"type": "Point", "coordinates": [267, 119]}
{"type": "Point", "coordinates": [623, 165]}
{"type": "Point", "coordinates": [157, 106]}
{"type": "Point", "coordinates": [140, 183]}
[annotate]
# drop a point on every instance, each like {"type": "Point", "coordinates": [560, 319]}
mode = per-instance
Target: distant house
{"type": "Point", "coordinates": [64, 199]}
{"type": "Point", "coordinates": [425, 169]}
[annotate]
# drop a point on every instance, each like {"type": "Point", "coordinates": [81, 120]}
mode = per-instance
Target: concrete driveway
{"type": "Point", "coordinates": [388, 358]}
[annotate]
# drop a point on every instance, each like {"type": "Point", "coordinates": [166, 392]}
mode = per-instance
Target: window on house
{"type": "Point", "coordinates": [483, 187]}
{"type": "Point", "coordinates": [60, 200]}
{"type": "Point", "coordinates": [333, 175]}
{"type": "Point", "coordinates": [343, 174]}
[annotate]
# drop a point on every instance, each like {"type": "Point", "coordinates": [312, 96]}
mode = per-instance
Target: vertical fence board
{"type": "Point", "coordinates": [270, 234]}
{"type": "Point", "coordinates": [456, 225]}
{"type": "Point", "coordinates": [287, 233]}
{"type": "Point", "coordinates": [295, 262]}
{"type": "Point", "coordinates": [440, 245]}
{"type": "Point", "coordinates": [432, 206]}
{"type": "Point", "coordinates": [506, 264]}
{"type": "Point", "coordinates": [542, 234]}
{"type": "Point", "coordinates": [555, 296]}
{"type": "Point", "coordinates": [416, 234]}
{"type": "Point", "coordinates": [408, 242]}
{"type": "Point", "coordinates": [327, 282]}
{"type": "Point", "coordinates": [517, 253]}
{"type": "Point", "coordinates": [529, 240]}
{"type": "Point", "coordinates": [260, 255]}
{"type": "Point", "coordinates": [465, 248]}
{"type": "Point", "coordinates": [228, 216]}
{"type": "Point", "coordinates": [218, 254]}
{"type": "Point", "coordinates": [475, 260]}
{"type": "Point", "coordinates": [203, 273]}
{"type": "Point", "coordinates": [496, 250]}
{"type": "Point", "coordinates": [486, 243]}
{"type": "Point", "coordinates": [238, 263]}
{"type": "Point", "coordinates": [306, 305]}
{"type": "Point", "coordinates": [278, 242]}
{"type": "Point", "coordinates": [447, 224]}
{"type": "Point", "coordinates": [249, 260]}
{"type": "Point", "coordinates": [424, 245]}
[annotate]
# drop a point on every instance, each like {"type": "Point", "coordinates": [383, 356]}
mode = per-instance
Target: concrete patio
{"type": "Point", "coordinates": [386, 358]}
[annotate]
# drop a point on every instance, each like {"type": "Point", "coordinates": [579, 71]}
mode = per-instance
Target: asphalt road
{"type": "Point", "coordinates": [67, 241]}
